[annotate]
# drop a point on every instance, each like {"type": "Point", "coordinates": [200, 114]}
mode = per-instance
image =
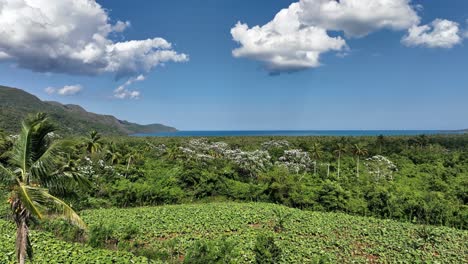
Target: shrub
{"type": "Point", "coordinates": [100, 235]}
{"type": "Point", "coordinates": [220, 251]}
{"type": "Point", "coordinates": [63, 229]}
{"type": "Point", "coordinates": [281, 216]}
{"type": "Point", "coordinates": [266, 251]}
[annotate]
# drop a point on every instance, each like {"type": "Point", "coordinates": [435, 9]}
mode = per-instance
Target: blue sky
{"type": "Point", "coordinates": [380, 83]}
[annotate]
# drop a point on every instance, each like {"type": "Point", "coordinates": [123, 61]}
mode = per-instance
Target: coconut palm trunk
{"type": "Point", "coordinates": [358, 151]}
{"type": "Point", "coordinates": [129, 162]}
{"type": "Point", "coordinates": [22, 241]}
{"type": "Point", "coordinates": [23, 245]}
{"type": "Point", "coordinates": [339, 161]}
{"type": "Point", "coordinates": [357, 166]}
{"type": "Point", "coordinates": [316, 154]}
{"type": "Point", "coordinates": [340, 148]}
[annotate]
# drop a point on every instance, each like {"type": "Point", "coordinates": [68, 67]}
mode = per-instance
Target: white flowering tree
{"type": "Point", "coordinates": [275, 148]}
{"type": "Point", "coordinates": [201, 150]}
{"type": "Point", "coordinates": [159, 150]}
{"type": "Point", "coordinates": [380, 167]}
{"type": "Point", "coordinates": [295, 160]}
{"type": "Point", "coordinates": [275, 144]}
{"type": "Point", "coordinates": [251, 162]}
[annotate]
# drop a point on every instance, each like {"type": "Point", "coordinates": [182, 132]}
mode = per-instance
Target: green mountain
{"type": "Point", "coordinates": [16, 104]}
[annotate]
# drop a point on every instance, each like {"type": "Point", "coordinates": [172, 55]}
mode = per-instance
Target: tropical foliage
{"type": "Point", "coordinates": [414, 180]}
{"type": "Point", "coordinates": [32, 172]}
{"type": "Point", "coordinates": [409, 181]}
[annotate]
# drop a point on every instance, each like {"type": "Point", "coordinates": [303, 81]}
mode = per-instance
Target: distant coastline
{"type": "Point", "coordinates": [298, 133]}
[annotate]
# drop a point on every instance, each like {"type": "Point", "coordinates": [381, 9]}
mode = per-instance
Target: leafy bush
{"type": "Point", "coordinates": [266, 251]}
{"type": "Point", "coordinates": [281, 216]}
{"type": "Point", "coordinates": [101, 235]}
{"type": "Point", "coordinates": [203, 251]}
{"type": "Point", "coordinates": [63, 230]}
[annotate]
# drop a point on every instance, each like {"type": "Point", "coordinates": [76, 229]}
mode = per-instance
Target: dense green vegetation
{"type": "Point", "coordinates": [413, 179]}
{"type": "Point", "coordinates": [16, 104]}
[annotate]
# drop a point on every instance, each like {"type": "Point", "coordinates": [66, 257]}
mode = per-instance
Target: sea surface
{"type": "Point", "coordinates": [245, 133]}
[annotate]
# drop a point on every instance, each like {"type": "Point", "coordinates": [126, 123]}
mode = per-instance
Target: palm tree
{"type": "Point", "coordinates": [131, 157]}
{"type": "Point", "coordinates": [93, 142]}
{"type": "Point", "coordinates": [34, 168]}
{"type": "Point", "coordinates": [174, 153]}
{"type": "Point", "coordinates": [380, 142]}
{"type": "Point", "coordinates": [113, 154]}
{"type": "Point", "coordinates": [340, 149]}
{"type": "Point", "coordinates": [422, 141]}
{"type": "Point", "coordinates": [317, 153]}
{"type": "Point", "coordinates": [358, 151]}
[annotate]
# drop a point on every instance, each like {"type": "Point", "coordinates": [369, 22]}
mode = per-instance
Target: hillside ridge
{"type": "Point", "coordinates": [72, 119]}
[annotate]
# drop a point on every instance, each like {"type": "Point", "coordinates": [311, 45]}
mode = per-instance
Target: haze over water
{"type": "Point", "coordinates": [241, 133]}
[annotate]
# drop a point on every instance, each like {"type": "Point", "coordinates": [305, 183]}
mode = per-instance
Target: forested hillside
{"type": "Point", "coordinates": [16, 104]}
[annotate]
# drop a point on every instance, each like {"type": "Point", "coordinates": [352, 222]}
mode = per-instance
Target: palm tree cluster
{"type": "Point", "coordinates": [339, 150]}
{"type": "Point", "coordinates": [94, 145]}
{"type": "Point", "coordinates": [358, 151]}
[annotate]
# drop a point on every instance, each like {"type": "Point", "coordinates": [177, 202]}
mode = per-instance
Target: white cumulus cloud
{"type": "Point", "coordinates": [284, 44]}
{"type": "Point", "coordinates": [122, 92]}
{"type": "Point", "coordinates": [298, 35]}
{"type": "Point", "coordinates": [67, 90]}
{"type": "Point", "coordinates": [357, 18]}
{"type": "Point", "coordinates": [441, 33]}
{"type": "Point", "coordinates": [75, 37]}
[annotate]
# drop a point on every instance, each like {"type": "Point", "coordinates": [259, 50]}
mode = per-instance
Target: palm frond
{"type": "Point", "coordinates": [54, 171]}
{"type": "Point", "coordinates": [65, 210]}
{"type": "Point", "coordinates": [67, 181]}
{"type": "Point", "coordinates": [40, 128]}
{"type": "Point", "coordinates": [21, 152]}
{"type": "Point", "coordinates": [28, 198]}
{"type": "Point", "coordinates": [31, 144]}
{"type": "Point", "coordinates": [42, 170]}
{"type": "Point", "coordinates": [41, 198]}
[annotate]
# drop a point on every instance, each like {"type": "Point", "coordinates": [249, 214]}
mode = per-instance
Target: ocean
{"type": "Point", "coordinates": [294, 133]}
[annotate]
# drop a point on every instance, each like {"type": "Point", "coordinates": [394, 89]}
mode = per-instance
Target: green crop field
{"type": "Point", "coordinates": [48, 249]}
{"type": "Point", "coordinates": [305, 236]}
